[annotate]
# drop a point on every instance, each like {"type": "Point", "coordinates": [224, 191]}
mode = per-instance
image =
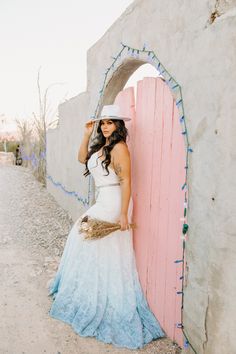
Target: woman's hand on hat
{"type": "Point", "coordinates": [89, 127]}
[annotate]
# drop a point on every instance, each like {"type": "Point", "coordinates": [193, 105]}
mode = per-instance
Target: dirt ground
{"type": "Point", "coordinates": [33, 231]}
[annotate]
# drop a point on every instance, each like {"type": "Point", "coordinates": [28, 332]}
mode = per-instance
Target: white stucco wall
{"type": "Point", "coordinates": [200, 55]}
{"type": "Point", "coordinates": [62, 150]}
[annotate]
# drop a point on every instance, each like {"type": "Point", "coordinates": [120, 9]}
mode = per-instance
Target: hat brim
{"type": "Point", "coordinates": [110, 117]}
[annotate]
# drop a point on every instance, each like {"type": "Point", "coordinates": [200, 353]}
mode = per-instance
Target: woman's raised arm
{"type": "Point", "coordinates": [83, 150]}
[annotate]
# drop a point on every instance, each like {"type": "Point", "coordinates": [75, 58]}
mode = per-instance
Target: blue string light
{"type": "Point", "coordinates": [180, 101]}
{"type": "Point", "coordinates": [186, 343]}
{"type": "Point", "coordinates": [84, 201]}
{"type": "Point", "coordinates": [33, 158]}
{"type": "Point", "coordinates": [179, 325]}
{"type": "Point", "coordinates": [174, 87]}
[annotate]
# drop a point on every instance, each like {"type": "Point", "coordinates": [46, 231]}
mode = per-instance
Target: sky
{"type": "Point", "coordinates": [53, 35]}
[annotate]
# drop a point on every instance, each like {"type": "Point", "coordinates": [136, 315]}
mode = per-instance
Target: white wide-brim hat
{"type": "Point", "coordinates": [111, 111]}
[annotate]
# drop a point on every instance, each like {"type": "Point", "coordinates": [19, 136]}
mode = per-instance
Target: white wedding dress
{"type": "Point", "coordinates": [96, 288]}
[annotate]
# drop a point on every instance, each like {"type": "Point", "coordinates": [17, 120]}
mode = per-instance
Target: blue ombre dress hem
{"type": "Point", "coordinates": [132, 330]}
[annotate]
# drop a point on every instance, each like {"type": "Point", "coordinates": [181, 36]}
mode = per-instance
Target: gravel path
{"type": "Point", "coordinates": [33, 231]}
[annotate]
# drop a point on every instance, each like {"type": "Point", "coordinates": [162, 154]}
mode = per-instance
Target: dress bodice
{"type": "Point", "coordinates": [99, 172]}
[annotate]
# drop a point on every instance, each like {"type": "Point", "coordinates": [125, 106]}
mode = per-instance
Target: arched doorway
{"type": "Point", "coordinates": [158, 170]}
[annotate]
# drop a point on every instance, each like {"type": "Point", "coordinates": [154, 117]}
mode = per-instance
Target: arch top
{"type": "Point", "coordinates": [124, 64]}
{"type": "Point", "coordinates": [119, 78]}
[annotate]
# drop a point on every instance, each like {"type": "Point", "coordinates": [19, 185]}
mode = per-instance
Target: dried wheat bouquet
{"type": "Point", "coordinates": [95, 229]}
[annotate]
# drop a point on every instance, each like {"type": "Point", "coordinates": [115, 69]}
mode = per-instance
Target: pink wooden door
{"type": "Point", "coordinates": [125, 99]}
{"type": "Point", "coordinates": [158, 160]}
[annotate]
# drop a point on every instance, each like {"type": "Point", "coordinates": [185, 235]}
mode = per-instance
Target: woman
{"type": "Point", "coordinates": [96, 289]}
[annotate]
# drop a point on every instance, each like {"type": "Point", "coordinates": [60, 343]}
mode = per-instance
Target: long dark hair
{"type": "Point", "coordinates": [120, 134]}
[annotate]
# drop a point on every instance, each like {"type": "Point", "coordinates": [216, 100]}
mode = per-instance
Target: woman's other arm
{"type": "Point", "coordinates": [83, 150]}
{"type": "Point", "coordinates": [122, 167]}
